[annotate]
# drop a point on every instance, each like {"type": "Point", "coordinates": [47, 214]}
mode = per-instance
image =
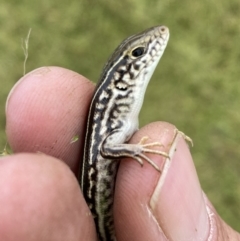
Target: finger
{"type": "Point", "coordinates": [45, 110]}
{"type": "Point", "coordinates": [161, 206]}
{"type": "Point", "coordinates": [41, 200]}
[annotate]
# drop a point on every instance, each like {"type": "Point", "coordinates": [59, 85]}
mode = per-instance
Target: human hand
{"type": "Point", "coordinates": [40, 196]}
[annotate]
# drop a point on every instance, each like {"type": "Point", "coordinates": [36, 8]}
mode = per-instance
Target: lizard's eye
{"type": "Point", "coordinates": [137, 52]}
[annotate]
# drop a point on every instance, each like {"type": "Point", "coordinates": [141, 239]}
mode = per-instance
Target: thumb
{"type": "Point", "coordinates": [176, 201]}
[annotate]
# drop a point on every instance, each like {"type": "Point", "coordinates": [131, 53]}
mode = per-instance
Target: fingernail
{"type": "Point", "coordinates": [177, 201]}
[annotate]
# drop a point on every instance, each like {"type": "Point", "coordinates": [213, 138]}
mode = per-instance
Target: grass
{"type": "Point", "coordinates": [196, 86]}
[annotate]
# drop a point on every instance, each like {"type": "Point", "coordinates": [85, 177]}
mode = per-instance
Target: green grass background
{"type": "Point", "coordinates": [196, 85]}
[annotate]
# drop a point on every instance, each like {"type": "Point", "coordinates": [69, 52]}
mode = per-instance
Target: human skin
{"type": "Point", "coordinates": [40, 196]}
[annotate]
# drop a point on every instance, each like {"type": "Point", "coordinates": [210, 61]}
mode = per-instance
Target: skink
{"type": "Point", "coordinates": [113, 119]}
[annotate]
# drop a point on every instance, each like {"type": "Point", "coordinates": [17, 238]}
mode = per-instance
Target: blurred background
{"type": "Point", "coordinates": [196, 85]}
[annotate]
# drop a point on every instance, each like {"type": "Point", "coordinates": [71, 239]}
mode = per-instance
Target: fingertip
{"type": "Point", "coordinates": [45, 110]}
{"type": "Point", "coordinates": [41, 199]}
{"type": "Point", "coordinates": [171, 201]}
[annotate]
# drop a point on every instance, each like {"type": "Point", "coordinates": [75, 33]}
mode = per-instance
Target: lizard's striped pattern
{"type": "Point", "coordinates": [113, 118]}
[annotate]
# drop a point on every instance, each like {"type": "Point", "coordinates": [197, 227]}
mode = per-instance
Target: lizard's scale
{"type": "Point", "coordinates": [112, 120]}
